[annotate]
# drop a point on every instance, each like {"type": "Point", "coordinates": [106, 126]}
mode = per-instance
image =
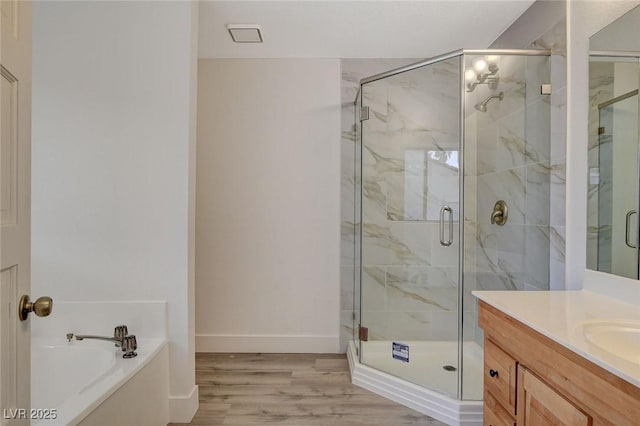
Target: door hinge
{"type": "Point", "coordinates": [363, 333]}
{"type": "Point", "coordinates": [600, 130]}
{"type": "Point", "coordinates": [364, 113]}
{"type": "Point", "coordinates": [545, 89]}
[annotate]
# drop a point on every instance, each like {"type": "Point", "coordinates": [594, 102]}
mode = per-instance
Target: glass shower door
{"type": "Point", "coordinates": [410, 239]}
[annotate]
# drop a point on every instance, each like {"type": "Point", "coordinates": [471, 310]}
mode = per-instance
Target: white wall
{"type": "Point", "coordinates": [113, 152]}
{"type": "Point", "coordinates": [267, 216]}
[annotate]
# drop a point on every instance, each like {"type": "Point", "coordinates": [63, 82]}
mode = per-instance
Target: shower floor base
{"type": "Point", "coordinates": [426, 362]}
{"type": "Point", "coordinates": [402, 382]}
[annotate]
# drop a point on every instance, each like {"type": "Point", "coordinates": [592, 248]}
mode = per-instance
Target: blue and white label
{"type": "Point", "coordinates": [400, 351]}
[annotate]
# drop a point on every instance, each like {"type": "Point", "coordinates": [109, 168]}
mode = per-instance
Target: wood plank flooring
{"type": "Point", "coordinates": [290, 389]}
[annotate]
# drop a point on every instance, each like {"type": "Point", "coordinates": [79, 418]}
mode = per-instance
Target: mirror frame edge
{"type": "Point", "coordinates": [584, 19]}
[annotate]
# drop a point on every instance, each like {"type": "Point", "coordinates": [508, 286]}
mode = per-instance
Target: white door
{"type": "Point", "coordinates": [15, 203]}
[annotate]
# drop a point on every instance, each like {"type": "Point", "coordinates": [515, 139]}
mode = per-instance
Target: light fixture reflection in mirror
{"type": "Point", "coordinates": [614, 158]}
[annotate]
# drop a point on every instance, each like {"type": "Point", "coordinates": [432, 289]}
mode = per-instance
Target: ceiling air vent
{"type": "Point", "coordinates": [245, 33]}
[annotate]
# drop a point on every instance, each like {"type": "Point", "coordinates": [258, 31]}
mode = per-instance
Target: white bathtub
{"type": "Point", "coordinates": [88, 382]}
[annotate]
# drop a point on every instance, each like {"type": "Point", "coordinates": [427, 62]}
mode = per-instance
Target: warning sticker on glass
{"type": "Point", "coordinates": [400, 351]}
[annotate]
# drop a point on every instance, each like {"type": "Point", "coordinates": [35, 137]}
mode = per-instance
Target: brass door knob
{"type": "Point", "coordinates": [42, 307]}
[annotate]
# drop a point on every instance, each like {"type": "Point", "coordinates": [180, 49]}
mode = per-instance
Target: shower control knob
{"type": "Point", "coordinates": [42, 307]}
{"type": "Point", "coordinates": [493, 373]}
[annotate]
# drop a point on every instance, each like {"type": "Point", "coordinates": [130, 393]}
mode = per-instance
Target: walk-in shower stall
{"type": "Point", "coordinates": [451, 195]}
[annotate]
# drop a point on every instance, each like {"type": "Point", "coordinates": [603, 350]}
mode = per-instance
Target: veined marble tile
{"type": "Point", "coordinates": [409, 326]}
{"type": "Point", "coordinates": [423, 109]}
{"type": "Point", "coordinates": [346, 328]}
{"type": "Point", "coordinates": [554, 39]}
{"type": "Point", "coordinates": [470, 246]}
{"type": "Point", "coordinates": [373, 288]}
{"type": "Point", "coordinates": [422, 277]}
{"type": "Point", "coordinates": [471, 145]}
{"type": "Point", "coordinates": [397, 243]}
{"type": "Point", "coordinates": [346, 287]}
{"type": "Point", "coordinates": [557, 193]}
{"type": "Point", "coordinates": [470, 188]}
{"type": "Point", "coordinates": [495, 281]}
{"type": "Point", "coordinates": [430, 76]}
{"type": "Point", "coordinates": [485, 247]}
{"type": "Point", "coordinates": [592, 248]}
{"type": "Point", "coordinates": [444, 325]}
{"type": "Point", "coordinates": [407, 198]}
{"type": "Point", "coordinates": [537, 72]}
{"type": "Point", "coordinates": [508, 185]}
{"type": "Point", "coordinates": [469, 301]}
{"type": "Point", "coordinates": [347, 197]}
{"type": "Point", "coordinates": [537, 194]}
{"type": "Point", "coordinates": [557, 238]}
{"type": "Point", "coordinates": [470, 324]}
{"type": "Point", "coordinates": [377, 100]}
{"type": "Point", "coordinates": [538, 131]}
{"type": "Point", "coordinates": [558, 108]}
{"type": "Point", "coordinates": [416, 154]}
{"type": "Point", "coordinates": [556, 258]}
{"type": "Point", "coordinates": [511, 148]}
{"type": "Point", "coordinates": [421, 197]}
{"type": "Point", "coordinates": [401, 297]}
{"type": "Point", "coordinates": [513, 100]}
{"type": "Point", "coordinates": [487, 147]}
{"type": "Point", "coordinates": [510, 250]}
{"type": "Point", "coordinates": [378, 324]}
{"type": "Point", "coordinates": [537, 256]}
{"type": "Point", "coordinates": [379, 156]}
{"type": "Point", "coordinates": [374, 200]}
{"type": "Point", "coordinates": [445, 255]}
{"type": "Point", "coordinates": [347, 239]}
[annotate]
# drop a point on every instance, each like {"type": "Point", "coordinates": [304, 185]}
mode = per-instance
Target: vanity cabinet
{"type": "Point", "coordinates": [531, 380]}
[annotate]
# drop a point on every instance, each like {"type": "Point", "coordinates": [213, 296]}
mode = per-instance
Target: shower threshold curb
{"type": "Point", "coordinates": [425, 401]}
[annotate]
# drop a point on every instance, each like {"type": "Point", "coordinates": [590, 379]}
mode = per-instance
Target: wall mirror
{"type": "Point", "coordinates": [613, 205]}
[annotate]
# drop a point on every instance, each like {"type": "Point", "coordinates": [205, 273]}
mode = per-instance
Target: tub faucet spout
{"type": "Point", "coordinates": [118, 342]}
{"type": "Point", "coordinates": [120, 337]}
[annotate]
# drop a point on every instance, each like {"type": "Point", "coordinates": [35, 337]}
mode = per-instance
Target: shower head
{"type": "Point", "coordinates": [482, 106]}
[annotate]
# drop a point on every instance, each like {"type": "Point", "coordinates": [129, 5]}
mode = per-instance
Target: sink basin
{"type": "Point", "coordinates": [620, 338]}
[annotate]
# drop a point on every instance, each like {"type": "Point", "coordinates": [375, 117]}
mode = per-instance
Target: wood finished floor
{"type": "Point", "coordinates": [290, 389]}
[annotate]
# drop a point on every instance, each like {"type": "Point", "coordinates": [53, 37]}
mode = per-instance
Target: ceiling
{"type": "Point", "coordinates": [355, 29]}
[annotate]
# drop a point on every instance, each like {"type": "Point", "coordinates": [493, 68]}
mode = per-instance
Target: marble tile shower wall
{"type": "Point", "coordinates": [555, 40]}
{"type": "Point", "coordinates": [512, 164]}
{"type": "Point", "coordinates": [409, 171]}
{"type": "Point", "coordinates": [353, 70]}
{"type": "Point", "coordinates": [410, 282]}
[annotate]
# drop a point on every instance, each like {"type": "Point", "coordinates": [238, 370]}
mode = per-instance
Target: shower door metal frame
{"type": "Point", "coordinates": [462, 53]}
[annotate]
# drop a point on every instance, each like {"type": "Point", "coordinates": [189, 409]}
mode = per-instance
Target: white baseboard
{"type": "Point", "coordinates": [267, 343]}
{"type": "Point", "coordinates": [425, 401]}
{"type": "Point", "coordinates": [183, 408]}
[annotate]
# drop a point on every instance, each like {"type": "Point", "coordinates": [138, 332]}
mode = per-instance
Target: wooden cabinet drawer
{"type": "Point", "coordinates": [500, 375]}
{"type": "Point", "coordinates": [495, 414]}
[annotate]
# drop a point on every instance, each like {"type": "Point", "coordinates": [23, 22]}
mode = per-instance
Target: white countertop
{"type": "Point", "coordinates": [561, 315]}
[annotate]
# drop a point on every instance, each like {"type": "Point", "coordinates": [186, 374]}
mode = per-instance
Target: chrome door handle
{"type": "Point", "coordinates": [449, 241]}
{"type": "Point", "coordinates": [626, 229]}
